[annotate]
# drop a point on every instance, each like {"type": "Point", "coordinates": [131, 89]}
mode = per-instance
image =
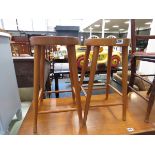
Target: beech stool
{"type": "Point", "coordinates": [40, 44]}
{"type": "Point", "coordinates": [96, 43]}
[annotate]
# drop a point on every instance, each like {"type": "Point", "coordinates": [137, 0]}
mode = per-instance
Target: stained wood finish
{"type": "Point", "coordinates": [39, 43]}
{"type": "Point", "coordinates": [124, 43]}
{"type": "Point", "coordinates": [54, 40]}
{"type": "Point", "coordinates": [133, 36]}
{"type": "Point", "coordinates": [101, 121]}
{"type": "Point", "coordinates": [133, 72]}
{"type": "Point", "coordinates": [145, 37]}
{"type": "Point", "coordinates": [107, 42]}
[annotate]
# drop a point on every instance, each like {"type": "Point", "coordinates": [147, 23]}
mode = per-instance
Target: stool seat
{"type": "Point", "coordinates": [107, 42]}
{"type": "Point", "coordinates": [42, 44]}
{"type": "Point", "coordinates": [54, 40]}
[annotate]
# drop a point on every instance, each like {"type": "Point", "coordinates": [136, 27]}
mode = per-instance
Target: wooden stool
{"type": "Point", "coordinates": [124, 43]}
{"type": "Point", "coordinates": [40, 43]}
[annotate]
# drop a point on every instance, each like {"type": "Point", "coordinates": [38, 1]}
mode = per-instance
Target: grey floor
{"type": "Point", "coordinates": [99, 80]}
{"type": "Point", "coordinates": [15, 124]}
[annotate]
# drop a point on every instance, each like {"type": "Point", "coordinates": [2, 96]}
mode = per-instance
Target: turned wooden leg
{"type": "Point", "coordinates": [110, 49]}
{"type": "Point", "coordinates": [124, 80]}
{"type": "Point", "coordinates": [85, 64]}
{"type": "Point", "coordinates": [36, 85]}
{"type": "Point", "coordinates": [91, 81]}
{"type": "Point", "coordinates": [74, 79]}
{"type": "Point", "coordinates": [56, 78]}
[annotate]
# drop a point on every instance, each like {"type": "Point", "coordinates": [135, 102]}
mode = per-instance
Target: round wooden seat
{"type": "Point", "coordinates": [54, 40]}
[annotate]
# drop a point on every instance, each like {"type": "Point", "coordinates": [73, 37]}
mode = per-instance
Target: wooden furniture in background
{"type": "Point", "coordinates": [24, 71]}
{"type": "Point", "coordinates": [20, 45]}
{"type": "Point", "coordinates": [142, 56]}
{"type": "Point", "coordinates": [40, 43]}
{"type": "Point", "coordinates": [124, 43]}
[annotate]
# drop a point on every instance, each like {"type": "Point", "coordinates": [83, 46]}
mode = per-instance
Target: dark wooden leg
{"type": "Point", "coordinates": [110, 49]}
{"type": "Point", "coordinates": [151, 101]}
{"type": "Point", "coordinates": [85, 65]}
{"type": "Point", "coordinates": [56, 77]}
{"type": "Point", "coordinates": [149, 90]}
{"type": "Point", "coordinates": [124, 80]}
{"type": "Point", "coordinates": [76, 84]}
{"type": "Point", "coordinates": [91, 81]}
{"type": "Point", "coordinates": [36, 85]}
{"type": "Point", "coordinates": [133, 71]}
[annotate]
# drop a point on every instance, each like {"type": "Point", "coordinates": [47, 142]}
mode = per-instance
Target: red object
{"type": "Point", "coordinates": [79, 62]}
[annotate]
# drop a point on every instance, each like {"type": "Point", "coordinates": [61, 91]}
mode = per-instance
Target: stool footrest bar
{"type": "Point", "coordinates": [57, 91]}
{"type": "Point", "coordinates": [105, 105]}
{"type": "Point", "coordinates": [115, 89]}
{"type": "Point", "coordinates": [57, 111]}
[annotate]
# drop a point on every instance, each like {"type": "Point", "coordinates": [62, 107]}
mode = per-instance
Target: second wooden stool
{"type": "Point", "coordinates": [96, 43]}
